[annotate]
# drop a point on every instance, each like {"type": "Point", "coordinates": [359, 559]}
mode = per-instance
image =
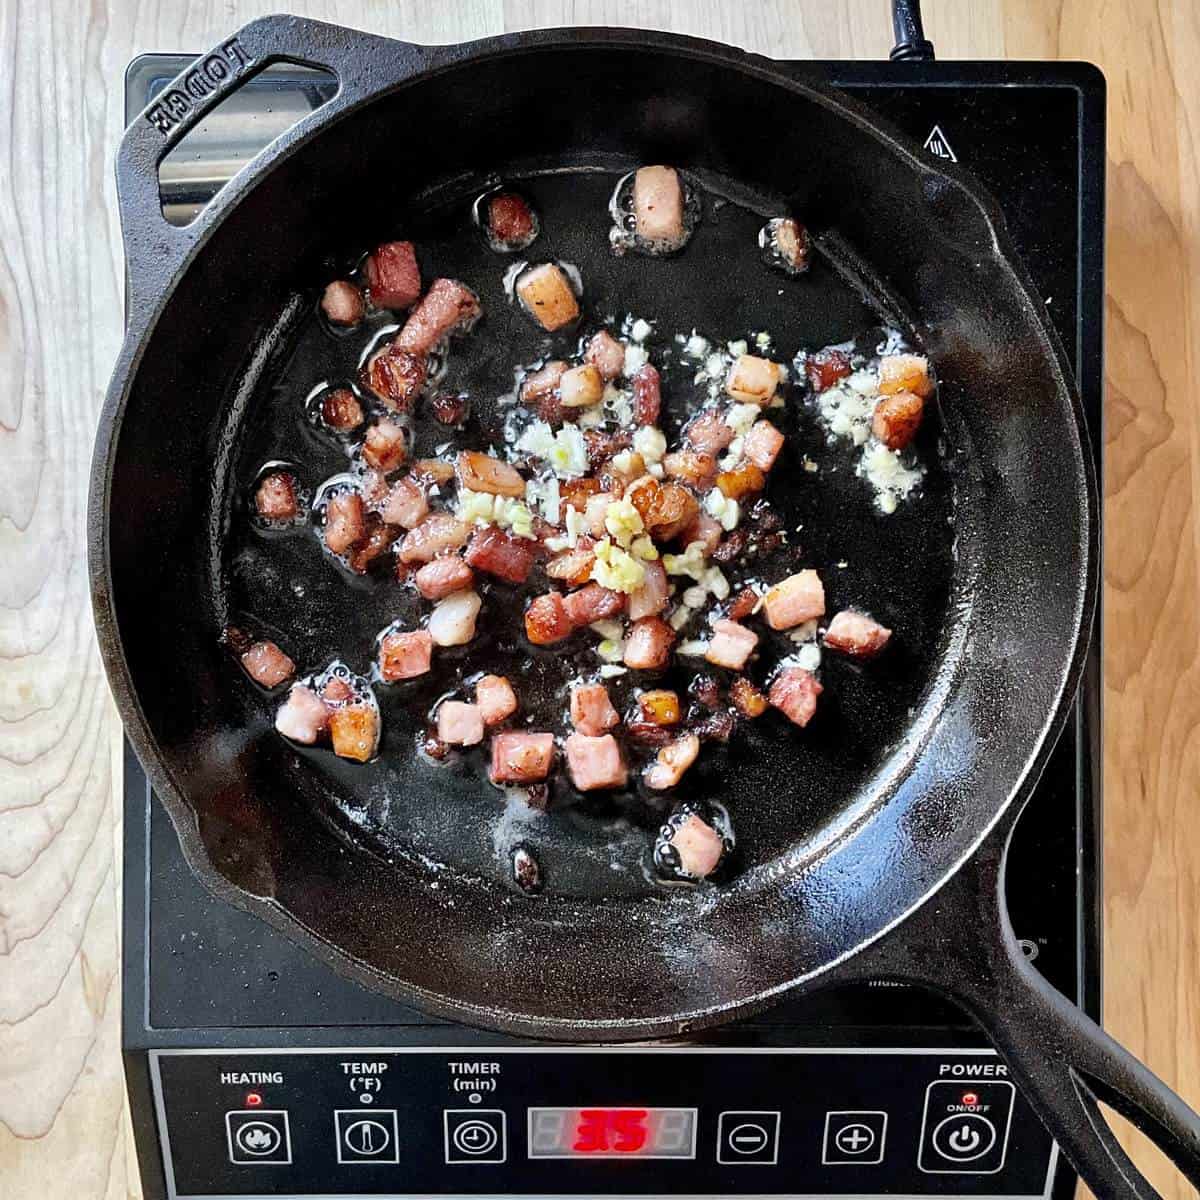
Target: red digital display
{"type": "Point", "coordinates": [612, 1132]}
{"type": "Point", "coordinates": [598, 1130]}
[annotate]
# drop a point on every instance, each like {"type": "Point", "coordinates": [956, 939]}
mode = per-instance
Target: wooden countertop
{"type": "Point", "coordinates": [63, 1125]}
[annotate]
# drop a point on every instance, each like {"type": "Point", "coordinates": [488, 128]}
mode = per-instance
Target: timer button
{"type": "Point", "coordinates": [748, 1138]}
{"type": "Point", "coordinates": [475, 1135]}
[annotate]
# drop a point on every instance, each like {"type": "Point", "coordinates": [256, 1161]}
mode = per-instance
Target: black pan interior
{"type": "Point", "coordinates": [897, 567]}
{"type": "Point", "coordinates": [841, 829]}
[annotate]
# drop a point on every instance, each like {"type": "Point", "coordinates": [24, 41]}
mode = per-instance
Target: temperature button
{"type": "Point", "coordinates": [366, 1136]}
{"type": "Point", "coordinates": [748, 1138]}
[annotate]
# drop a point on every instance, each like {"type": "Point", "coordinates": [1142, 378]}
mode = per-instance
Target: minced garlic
{"type": "Point", "coordinates": [650, 443]}
{"type": "Point", "coordinates": [616, 569]}
{"type": "Point", "coordinates": [623, 522]}
{"type": "Point", "coordinates": [690, 562]}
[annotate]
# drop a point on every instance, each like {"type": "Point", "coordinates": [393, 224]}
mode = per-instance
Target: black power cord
{"type": "Point", "coordinates": [911, 43]}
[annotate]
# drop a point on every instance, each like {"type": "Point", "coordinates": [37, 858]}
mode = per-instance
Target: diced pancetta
{"type": "Point", "coordinates": [396, 376]}
{"type": "Point", "coordinates": [648, 644]}
{"type": "Point", "coordinates": [731, 644]}
{"type": "Point", "coordinates": [595, 763]}
{"type": "Point", "coordinates": [709, 432]}
{"type": "Point", "coordinates": [658, 204]}
{"type": "Point", "coordinates": [303, 716]}
{"type": "Point", "coordinates": [452, 622]}
{"type": "Point", "coordinates": [592, 712]}
{"type": "Point", "coordinates": [897, 418]}
{"type": "Point", "coordinates": [581, 387]}
{"type": "Point", "coordinates": [354, 731]}
{"type": "Point", "coordinates": [592, 603]}
{"type": "Point", "coordinates": [647, 394]}
{"type": "Point", "coordinates": [511, 224]}
{"type": "Point", "coordinates": [459, 724]}
{"type": "Point", "coordinates": [794, 692]}
{"type": "Point", "coordinates": [374, 542]}
{"type": "Point", "coordinates": [276, 498]}
{"type": "Point", "coordinates": [752, 380]}
{"type": "Point", "coordinates": [744, 480]}
{"type": "Point", "coordinates": [342, 303]}
{"type": "Point", "coordinates": [762, 445]}
{"type": "Point", "coordinates": [747, 698]}
{"type": "Point", "coordinates": [695, 467]}
{"type": "Point", "coordinates": [393, 276]}
{"type": "Point", "coordinates": [905, 373]}
{"type": "Point", "coordinates": [572, 567]}
{"type": "Point", "coordinates": [406, 504]}
{"type": "Point", "coordinates": [856, 634]}
{"type": "Point", "coordinates": [698, 846]}
{"type": "Point", "coordinates": [341, 410]}
{"type": "Point", "coordinates": [482, 473]}
{"type": "Point", "coordinates": [436, 534]}
{"type": "Point", "coordinates": [385, 446]}
{"type": "Point", "coordinates": [345, 521]}
{"type": "Point", "coordinates": [666, 509]}
{"type": "Point", "coordinates": [825, 368]}
{"type": "Point", "coordinates": [405, 655]}
{"type": "Point", "coordinates": [606, 354]}
{"type": "Point", "coordinates": [539, 391]}
{"type": "Point", "coordinates": [520, 758]}
{"type": "Point", "coordinates": [547, 295]}
{"type": "Point", "coordinates": [448, 307]}
{"type": "Point", "coordinates": [266, 664]}
{"type": "Point", "coordinates": [494, 552]}
{"type": "Point", "coordinates": [703, 529]}
{"type": "Point", "coordinates": [443, 576]}
{"type": "Point", "coordinates": [651, 598]}
{"type": "Point", "coordinates": [546, 620]}
{"type": "Point", "coordinates": [794, 600]}
{"type": "Point", "coordinates": [496, 699]}
{"type": "Point", "coordinates": [671, 762]}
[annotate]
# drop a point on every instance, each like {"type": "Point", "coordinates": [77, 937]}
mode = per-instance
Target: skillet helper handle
{"type": "Point", "coordinates": [363, 63]}
{"type": "Point", "coordinates": [963, 945]}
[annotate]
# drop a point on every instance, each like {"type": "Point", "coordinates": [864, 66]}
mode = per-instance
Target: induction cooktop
{"type": "Point", "coordinates": [254, 1070]}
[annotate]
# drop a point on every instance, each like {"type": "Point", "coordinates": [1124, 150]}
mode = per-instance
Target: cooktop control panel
{"type": "Point", "coordinates": [683, 1121]}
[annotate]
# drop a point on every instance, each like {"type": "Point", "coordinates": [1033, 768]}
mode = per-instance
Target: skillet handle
{"type": "Point", "coordinates": [363, 63]}
{"type": "Point", "coordinates": [1064, 1064]}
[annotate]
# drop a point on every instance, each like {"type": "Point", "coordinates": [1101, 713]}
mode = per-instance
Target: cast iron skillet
{"type": "Point", "coordinates": [873, 851]}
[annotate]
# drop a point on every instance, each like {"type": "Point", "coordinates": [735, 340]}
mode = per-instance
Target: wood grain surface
{"type": "Point", "coordinates": [63, 1125]}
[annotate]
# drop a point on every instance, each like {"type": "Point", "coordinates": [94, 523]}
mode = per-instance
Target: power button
{"type": "Point", "coordinates": [965, 1127]}
{"type": "Point", "coordinates": [964, 1138]}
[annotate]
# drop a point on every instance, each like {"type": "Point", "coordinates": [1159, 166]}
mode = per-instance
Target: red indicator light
{"type": "Point", "coordinates": [599, 1130]}
{"type": "Point", "coordinates": [253, 1099]}
{"type": "Point", "coordinates": [970, 1098]}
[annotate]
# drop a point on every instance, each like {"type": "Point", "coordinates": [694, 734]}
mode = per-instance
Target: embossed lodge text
{"type": "Point", "coordinates": [200, 81]}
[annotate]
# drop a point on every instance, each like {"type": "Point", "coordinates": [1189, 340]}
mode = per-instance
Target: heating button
{"type": "Point", "coordinates": [965, 1129]}
{"type": "Point", "coordinates": [259, 1137]}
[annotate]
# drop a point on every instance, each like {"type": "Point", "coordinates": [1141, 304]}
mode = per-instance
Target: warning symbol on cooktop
{"type": "Point", "coordinates": [938, 146]}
